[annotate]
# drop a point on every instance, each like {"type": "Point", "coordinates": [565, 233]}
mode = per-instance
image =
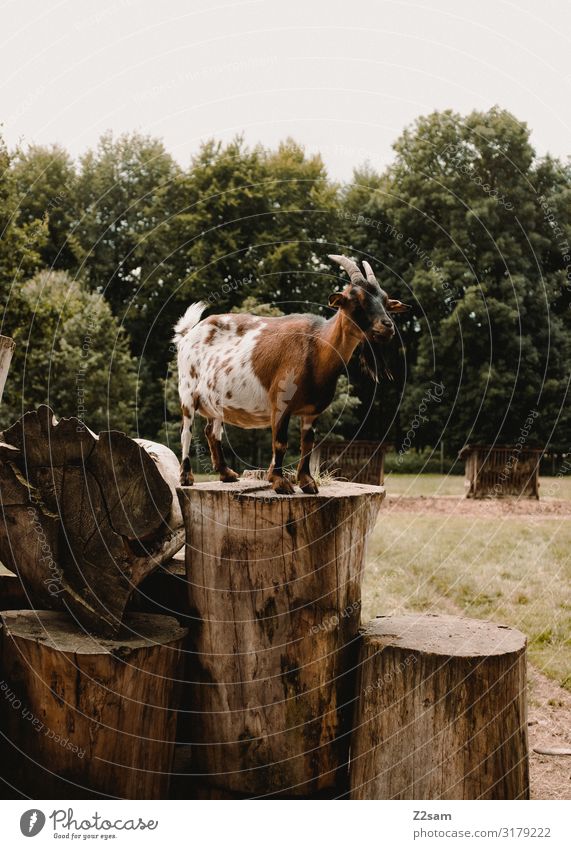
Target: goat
{"type": "Point", "coordinates": [254, 372]}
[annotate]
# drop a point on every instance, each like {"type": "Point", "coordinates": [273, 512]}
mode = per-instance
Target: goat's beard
{"type": "Point", "coordinates": [372, 360]}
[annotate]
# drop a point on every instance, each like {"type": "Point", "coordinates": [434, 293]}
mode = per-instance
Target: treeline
{"type": "Point", "coordinates": [99, 258]}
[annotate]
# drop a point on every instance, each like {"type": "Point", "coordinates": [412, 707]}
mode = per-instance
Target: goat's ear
{"type": "Point", "coordinates": [397, 306]}
{"type": "Point", "coordinates": [337, 299]}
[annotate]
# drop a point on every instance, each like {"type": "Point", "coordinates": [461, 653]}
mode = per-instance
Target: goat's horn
{"type": "Point", "coordinates": [369, 272]}
{"type": "Point", "coordinates": [350, 267]}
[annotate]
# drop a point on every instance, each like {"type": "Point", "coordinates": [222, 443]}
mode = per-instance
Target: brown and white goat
{"type": "Point", "coordinates": [254, 372]}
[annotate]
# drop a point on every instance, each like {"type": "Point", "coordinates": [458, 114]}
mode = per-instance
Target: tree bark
{"type": "Point", "coordinates": [86, 518]}
{"type": "Point", "coordinates": [440, 711]}
{"type": "Point", "coordinates": [84, 717]}
{"type": "Point", "coordinates": [7, 346]}
{"type": "Point", "coordinates": [275, 588]}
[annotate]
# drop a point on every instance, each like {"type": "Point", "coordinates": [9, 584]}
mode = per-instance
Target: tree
{"type": "Point", "coordinates": [20, 244]}
{"type": "Point", "coordinates": [467, 235]}
{"type": "Point", "coordinates": [45, 179]}
{"type": "Point", "coordinates": [71, 354]}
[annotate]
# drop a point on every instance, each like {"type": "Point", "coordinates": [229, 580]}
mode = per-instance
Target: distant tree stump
{"type": "Point", "coordinates": [275, 587]}
{"type": "Point", "coordinates": [86, 717]}
{"type": "Point", "coordinates": [440, 711]}
{"type": "Point", "coordinates": [85, 518]}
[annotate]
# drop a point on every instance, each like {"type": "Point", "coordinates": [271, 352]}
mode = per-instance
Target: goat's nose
{"type": "Point", "coordinates": [386, 322]}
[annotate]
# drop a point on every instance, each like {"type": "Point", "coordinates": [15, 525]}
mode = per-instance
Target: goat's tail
{"type": "Point", "coordinates": [189, 320]}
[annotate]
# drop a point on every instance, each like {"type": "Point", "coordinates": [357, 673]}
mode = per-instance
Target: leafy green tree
{"type": "Point", "coordinates": [125, 197]}
{"type": "Point", "coordinates": [71, 354]}
{"type": "Point", "coordinates": [20, 244]}
{"type": "Point", "coordinates": [45, 180]}
{"type": "Point", "coordinates": [462, 228]}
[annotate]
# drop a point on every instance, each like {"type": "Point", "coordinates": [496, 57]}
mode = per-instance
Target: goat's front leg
{"type": "Point", "coordinates": [280, 424]}
{"type": "Point", "coordinates": [304, 478]}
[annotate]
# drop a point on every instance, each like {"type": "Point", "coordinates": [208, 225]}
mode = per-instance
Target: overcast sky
{"type": "Point", "coordinates": [341, 76]}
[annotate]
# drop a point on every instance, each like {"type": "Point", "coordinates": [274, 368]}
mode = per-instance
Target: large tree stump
{"type": "Point", "coordinates": [275, 587]}
{"type": "Point", "coordinates": [84, 716]}
{"type": "Point", "coordinates": [86, 518]}
{"type": "Point", "coordinates": [440, 711]}
{"type": "Point", "coordinates": [7, 346]}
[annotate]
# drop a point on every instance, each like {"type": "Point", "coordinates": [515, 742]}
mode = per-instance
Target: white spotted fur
{"type": "Point", "coordinates": [248, 405]}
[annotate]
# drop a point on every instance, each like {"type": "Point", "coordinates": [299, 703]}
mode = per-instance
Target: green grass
{"type": "Point", "coordinates": [513, 570]}
{"type": "Point", "coordinates": [416, 485]}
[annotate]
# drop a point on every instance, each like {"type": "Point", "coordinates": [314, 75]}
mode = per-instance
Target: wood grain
{"type": "Point", "coordinates": [88, 716]}
{"type": "Point", "coordinates": [274, 586]}
{"type": "Point", "coordinates": [440, 710]}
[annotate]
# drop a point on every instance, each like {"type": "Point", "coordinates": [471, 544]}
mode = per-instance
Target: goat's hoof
{"type": "Point", "coordinates": [282, 486]}
{"type": "Point", "coordinates": [308, 486]}
{"type": "Point", "coordinates": [229, 476]}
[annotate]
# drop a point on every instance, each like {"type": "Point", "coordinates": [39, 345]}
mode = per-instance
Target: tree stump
{"type": "Point", "coordinates": [275, 588]}
{"type": "Point", "coordinates": [440, 711]}
{"type": "Point", "coordinates": [7, 346]}
{"type": "Point", "coordinates": [89, 717]}
{"type": "Point", "coordinates": [86, 517]}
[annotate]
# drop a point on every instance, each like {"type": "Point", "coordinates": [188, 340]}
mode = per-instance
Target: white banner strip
{"type": "Point", "coordinates": [287, 824]}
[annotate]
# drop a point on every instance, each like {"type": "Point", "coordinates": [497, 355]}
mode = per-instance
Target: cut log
{"type": "Point", "coordinates": [86, 518]}
{"type": "Point", "coordinates": [275, 588]}
{"type": "Point", "coordinates": [440, 711]}
{"type": "Point", "coordinates": [84, 717]}
{"type": "Point", "coordinates": [7, 346]}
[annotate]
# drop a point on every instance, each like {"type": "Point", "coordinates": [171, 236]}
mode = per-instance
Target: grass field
{"type": "Point", "coordinates": [416, 485]}
{"type": "Point", "coordinates": [515, 570]}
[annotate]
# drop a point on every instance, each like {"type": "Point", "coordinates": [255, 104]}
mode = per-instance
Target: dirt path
{"type": "Point", "coordinates": [549, 722]}
{"type": "Point", "coordinates": [484, 508]}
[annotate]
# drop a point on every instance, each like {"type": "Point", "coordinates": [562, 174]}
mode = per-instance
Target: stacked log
{"type": "Point", "coordinates": [85, 518]}
{"type": "Point", "coordinates": [274, 586]}
{"type": "Point", "coordinates": [84, 717]}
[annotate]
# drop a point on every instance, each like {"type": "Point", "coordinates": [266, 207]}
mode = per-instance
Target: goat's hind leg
{"type": "Point", "coordinates": [213, 431]}
{"type": "Point", "coordinates": [186, 476]}
{"type": "Point", "coordinates": [279, 445]}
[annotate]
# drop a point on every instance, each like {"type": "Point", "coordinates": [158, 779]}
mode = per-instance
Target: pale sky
{"type": "Point", "coordinates": [340, 76]}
